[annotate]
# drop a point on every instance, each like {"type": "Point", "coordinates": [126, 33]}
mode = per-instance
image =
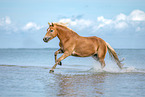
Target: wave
{"type": "Point", "coordinates": [21, 66]}
{"type": "Point", "coordinates": [93, 70]}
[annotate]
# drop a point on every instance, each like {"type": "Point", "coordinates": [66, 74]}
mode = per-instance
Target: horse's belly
{"type": "Point", "coordinates": [82, 53]}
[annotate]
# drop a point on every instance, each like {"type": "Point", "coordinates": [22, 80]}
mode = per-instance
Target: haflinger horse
{"type": "Point", "coordinates": [71, 44]}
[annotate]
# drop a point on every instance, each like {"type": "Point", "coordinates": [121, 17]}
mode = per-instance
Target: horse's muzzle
{"type": "Point", "coordinates": [46, 39]}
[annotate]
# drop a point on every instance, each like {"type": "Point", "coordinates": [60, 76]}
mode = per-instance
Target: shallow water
{"type": "Point", "coordinates": [25, 73]}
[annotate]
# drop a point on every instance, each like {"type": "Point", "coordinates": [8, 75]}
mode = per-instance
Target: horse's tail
{"type": "Point", "coordinates": [113, 54]}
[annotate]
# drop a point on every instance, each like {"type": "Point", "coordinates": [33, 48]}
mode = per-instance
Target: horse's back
{"type": "Point", "coordinates": [96, 40]}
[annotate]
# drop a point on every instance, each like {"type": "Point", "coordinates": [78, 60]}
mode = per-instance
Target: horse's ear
{"type": "Point", "coordinates": [52, 25]}
{"type": "Point", "coordinates": [48, 23]}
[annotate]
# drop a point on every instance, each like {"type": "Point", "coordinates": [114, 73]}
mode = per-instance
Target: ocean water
{"type": "Point", "coordinates": [25, 73]}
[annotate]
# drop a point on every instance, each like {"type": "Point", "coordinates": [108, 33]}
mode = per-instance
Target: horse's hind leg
{"type": "Point", "coordinates": [101, 60]}
{"type": "Point", "coordinates": [101, 55]}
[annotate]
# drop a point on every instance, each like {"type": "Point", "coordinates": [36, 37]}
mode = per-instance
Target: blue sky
{"type": "Point", "coordinates": [121, 23]}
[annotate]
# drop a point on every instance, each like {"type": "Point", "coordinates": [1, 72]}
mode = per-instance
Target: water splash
{"type": "Point", "coordinates": [130, 69]}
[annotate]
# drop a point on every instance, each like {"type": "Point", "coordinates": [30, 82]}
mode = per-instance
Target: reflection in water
{"type": "Point", "coordinates": [80, 85]}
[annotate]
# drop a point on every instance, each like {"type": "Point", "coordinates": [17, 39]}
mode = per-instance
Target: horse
{"type": "Point", "coordinates": [72, 44]}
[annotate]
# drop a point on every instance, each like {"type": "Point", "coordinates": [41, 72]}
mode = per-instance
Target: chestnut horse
{"type": "Point", "coordinates": [71, 44]}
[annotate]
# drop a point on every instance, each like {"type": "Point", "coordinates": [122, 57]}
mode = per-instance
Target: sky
{"type": "Point", "coordinates": [24, 23]}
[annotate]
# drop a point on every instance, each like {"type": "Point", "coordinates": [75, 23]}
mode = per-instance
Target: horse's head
{"type": "Point", "coordinates": [51, 33]}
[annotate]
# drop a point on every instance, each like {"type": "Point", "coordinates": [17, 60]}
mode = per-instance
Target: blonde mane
{"type": "Point", "coordinates": [64, 25]}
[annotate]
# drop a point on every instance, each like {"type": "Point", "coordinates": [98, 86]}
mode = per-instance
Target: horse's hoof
{"type": "Point", "coordinates": [51, 71]}
{"type": "Point", "coordinates": [60, 63]}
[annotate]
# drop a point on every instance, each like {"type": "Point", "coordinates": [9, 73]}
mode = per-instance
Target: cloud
{"type": "Point", "coordinates": [8, 20]}
{"type": "Point", "coordinates": [134, 21]}
{"type": "Point", "coordinates": [103, 22]}
{"type": "Point", "coordinates": [121, 17]}
{"type": "Point", "coordinates": [123, 21]}
{"type": "Point", "coordinates": [5, 21]}
{"type": "Point", "coordinates": [8, 27]}
{"type": "Point", "coordinates": [79, 23]}
{"type": "Point", "coordinates": [137, 15]}
{"type": "Point", "coordinates": [31, 25]}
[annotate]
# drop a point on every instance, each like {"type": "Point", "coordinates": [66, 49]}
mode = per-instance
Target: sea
{"type": "Point", "coordinates": [24, 72]}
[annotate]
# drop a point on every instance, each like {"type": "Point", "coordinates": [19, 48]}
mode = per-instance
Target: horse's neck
{"type": "Point", "coordinates": [66, 34]}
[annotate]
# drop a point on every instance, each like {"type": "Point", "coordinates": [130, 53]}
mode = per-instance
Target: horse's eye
{"type": "Point", "coordinates": [51, 30]}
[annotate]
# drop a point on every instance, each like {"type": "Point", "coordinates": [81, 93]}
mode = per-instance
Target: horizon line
{"type": "Point", "coordinates": [58, 48]}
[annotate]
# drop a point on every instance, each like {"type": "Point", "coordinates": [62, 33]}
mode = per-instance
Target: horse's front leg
{"type": "Point", "coordinates": [66, 54]}
{"type": "Point", "coordinates": [55, 54]}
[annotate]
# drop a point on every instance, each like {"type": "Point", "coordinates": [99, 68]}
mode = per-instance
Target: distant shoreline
{"type": "Point", "coordinates": [58, 48]}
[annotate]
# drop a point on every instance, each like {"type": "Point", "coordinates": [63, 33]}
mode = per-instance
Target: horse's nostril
{"type": "Point", "coordinates": [44, 39]}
